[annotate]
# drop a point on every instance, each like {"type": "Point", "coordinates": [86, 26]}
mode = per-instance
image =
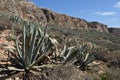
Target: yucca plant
{"type": "Point", "coordinates": [80, 56]}
{"type": "Point", "coordinates": [33, 50]}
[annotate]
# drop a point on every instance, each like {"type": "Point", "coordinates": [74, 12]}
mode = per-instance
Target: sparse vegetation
{"type": "Point", "coordinates": [36, 47]}
{"type": "Point", "coordinates": [108, 42]}
{"type": "Point", "coordinates": [39, 54]}
{"type": "Point", "coordinates": [34, 50]}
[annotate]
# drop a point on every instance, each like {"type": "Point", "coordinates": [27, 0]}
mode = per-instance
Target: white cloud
{"type": "Point", "coordinates": [106, 13]}
{"type": "Point", "coordinates": [117, 5]}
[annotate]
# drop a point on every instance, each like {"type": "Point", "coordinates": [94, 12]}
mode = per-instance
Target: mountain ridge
{"type": "Point", "coordinates": [29, 11]}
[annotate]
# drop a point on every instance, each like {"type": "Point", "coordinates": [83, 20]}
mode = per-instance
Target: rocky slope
{"type": "Point", "coordinates": [28, 11]}
{"type": "Point", "coordinates": [114, 30]}
{"type": "Point", "coordinates": [108, 52]}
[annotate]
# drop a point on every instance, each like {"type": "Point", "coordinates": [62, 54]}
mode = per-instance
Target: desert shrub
{"type": "Point", "coordinates": [105, 76]}
{"type": "Point", "coordinates": [103, 39]}
{"type": "Point", "coordinates": [110, 74]}
{"type": "Point", "coordinates": [115, 61]}
{"type": "Point", "coordinates": [5, 15]}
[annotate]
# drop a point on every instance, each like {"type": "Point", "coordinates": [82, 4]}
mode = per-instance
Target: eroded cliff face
{"type": "Point", "coordinates": [28, 11]}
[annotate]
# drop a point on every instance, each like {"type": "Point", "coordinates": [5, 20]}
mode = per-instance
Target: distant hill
{"type": "Point", "coordinates": [114, 30]}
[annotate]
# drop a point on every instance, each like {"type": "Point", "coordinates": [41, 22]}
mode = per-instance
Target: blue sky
{"type": "Point", "coordinates": [103, 11]}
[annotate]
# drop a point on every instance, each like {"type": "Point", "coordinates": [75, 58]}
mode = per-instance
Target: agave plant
{"type": "Point", "coordinates": [85, 56]}
{"type": "Point", "coordinates": [16, 19]}
{"type": "Point", "coordinates": [33, 51]}
{"type": "Point", "coordinates": [66, 54]}
{"type": "Point", "coordinates": [79, 56]}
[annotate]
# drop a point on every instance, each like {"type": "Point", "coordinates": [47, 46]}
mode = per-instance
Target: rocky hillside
{"type": "Point", "coordinates": [114, 30]}
{"type": "Point", "coordinates": [65, 29]}
{"type": "Point", "coordinates": [28, 11]}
